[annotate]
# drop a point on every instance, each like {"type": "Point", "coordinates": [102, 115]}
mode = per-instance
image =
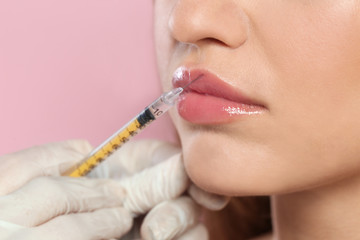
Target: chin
{"type": "Point", "coordinates": [228, 167]}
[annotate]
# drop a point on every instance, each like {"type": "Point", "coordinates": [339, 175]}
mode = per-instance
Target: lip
{"type": "Point", "coordinates": [210, 100]}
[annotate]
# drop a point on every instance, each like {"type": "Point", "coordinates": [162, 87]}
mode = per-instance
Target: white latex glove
{"type": "Point", "coordinates": [145, 190]}
{"type": "Point", "coordinates": [51, 159]}
{"type": "Point", "coordinates": [35, 207]}
{"type": "Point", "coordinates": [177, 218]}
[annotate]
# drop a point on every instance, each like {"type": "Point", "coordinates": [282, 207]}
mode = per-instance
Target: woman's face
{"type": "Point", "coordinates": [277, 106]}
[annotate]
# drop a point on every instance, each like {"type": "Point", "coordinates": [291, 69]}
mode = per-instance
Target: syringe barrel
{"type": "Point", "coordinates": [149, 114]}
{"type": "Point", "coordinates": [164, 102]}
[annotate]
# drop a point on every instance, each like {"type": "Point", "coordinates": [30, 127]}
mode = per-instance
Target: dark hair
{"type": "Point", "coordinates": [242, 218]}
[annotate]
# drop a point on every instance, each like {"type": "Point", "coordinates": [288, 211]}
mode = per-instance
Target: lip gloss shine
{"type": "Point", "coordinates": [209, 100]}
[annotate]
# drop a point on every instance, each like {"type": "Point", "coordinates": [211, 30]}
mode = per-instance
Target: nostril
{"type": "Point", "coordinates": [214, 41]}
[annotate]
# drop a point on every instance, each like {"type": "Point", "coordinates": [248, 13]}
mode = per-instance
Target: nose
{"type": "Point", "coordinates": [219, 20]}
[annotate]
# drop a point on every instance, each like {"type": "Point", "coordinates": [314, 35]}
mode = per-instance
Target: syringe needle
{"type": "Point", "coordinates": [191, 82]}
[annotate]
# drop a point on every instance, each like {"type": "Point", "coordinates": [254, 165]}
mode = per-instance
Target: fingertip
{"type": "Point", "coordinates": [208, 200]}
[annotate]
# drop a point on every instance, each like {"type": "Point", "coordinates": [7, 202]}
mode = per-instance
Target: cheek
{"type": "Point", "coordinates": [314, 48]}
{"type": "Point", "coordinates": [315, 52]}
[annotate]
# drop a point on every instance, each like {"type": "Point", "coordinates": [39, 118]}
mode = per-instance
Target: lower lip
{"type": "Point", "coordinates": [207, 109]}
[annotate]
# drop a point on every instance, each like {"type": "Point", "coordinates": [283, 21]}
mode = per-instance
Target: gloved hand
{"type": "Point", "coordinates": [173, 219]}
{"type": "Point", "coordinates": [144, 190]}
{"type": "Point", "coordinates": [34, 207]}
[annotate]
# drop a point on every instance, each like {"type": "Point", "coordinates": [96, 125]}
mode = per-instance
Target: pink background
{"type": "Point", "coordinates": [75, 69]}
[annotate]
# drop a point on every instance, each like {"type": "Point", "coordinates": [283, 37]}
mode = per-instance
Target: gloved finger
{"type": "Point", "coordinates": [208, 200]}
{"type": "Point", "coordinates": [53, 159]}
{"type": "Point", "coordinates": [195, 233]}
{"type": "Point", "coordinates": [146, 189]}
{"type": "Point", "coordinates": [44, 198]}
{"type": "Point", "coordinates": [134, 157]}
{"type": "Point", "coordinates": [170, 219]}
{"type": "Point", "coordinates": [100, 224]}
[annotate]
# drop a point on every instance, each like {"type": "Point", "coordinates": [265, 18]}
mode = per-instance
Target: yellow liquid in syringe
{"type": "Point", "coordinates": [105, 150]}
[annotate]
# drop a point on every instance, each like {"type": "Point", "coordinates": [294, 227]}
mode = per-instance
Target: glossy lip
{"type": "Point", "coordinates": [209, 100]}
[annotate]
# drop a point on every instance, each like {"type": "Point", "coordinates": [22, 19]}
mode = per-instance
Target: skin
{"type": "Point", "coordinates": [301, 60]}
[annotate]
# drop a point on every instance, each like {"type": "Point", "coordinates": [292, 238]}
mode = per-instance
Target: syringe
{"type": "Point", "coordinates": [124, 134]}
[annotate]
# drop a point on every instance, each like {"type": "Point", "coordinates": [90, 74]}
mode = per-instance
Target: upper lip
{"type": "Point", "coordinates": [210, 84]}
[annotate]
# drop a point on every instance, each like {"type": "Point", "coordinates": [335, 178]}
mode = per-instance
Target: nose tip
{"type": "Point", "coordinates": [220, 21]}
